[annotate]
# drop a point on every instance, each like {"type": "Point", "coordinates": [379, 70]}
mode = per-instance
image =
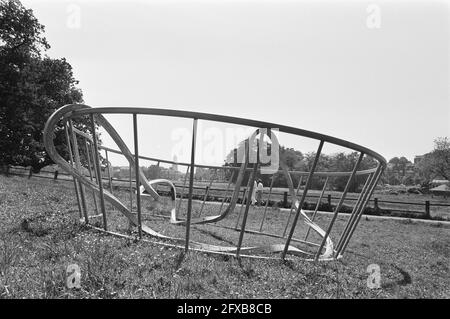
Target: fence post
{"type": "Point", "coordinates": [375, 205]}
{"type": "Point", "coordinates": [285, 195]}
{"type": "Point", "coordinates": [7, 170]}
{"type": "Point", "coordinates": [329, 200]}
{"type": "Point", "coordinates": [30, 173]}
{"type": "Point", "coordinates": [55, 175]}
{"type": "Point", "coordinates": [427, 209]}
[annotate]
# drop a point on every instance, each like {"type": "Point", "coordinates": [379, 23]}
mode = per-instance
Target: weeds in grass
{"type": "Point", "coordinates": [9, 253]}
{"type": "Point", "coordinates": [41, 235]}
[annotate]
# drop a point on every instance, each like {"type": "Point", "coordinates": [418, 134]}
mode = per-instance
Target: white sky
{"type": "Point", "coordinates": [315, 65]}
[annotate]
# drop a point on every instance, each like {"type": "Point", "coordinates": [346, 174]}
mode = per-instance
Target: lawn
{"type": "Point", "coordinates": [396, 205]}
{"type": "Point", "coordinates": [402, 204]}
{"type": "Point", "coordinates": [40, 235]}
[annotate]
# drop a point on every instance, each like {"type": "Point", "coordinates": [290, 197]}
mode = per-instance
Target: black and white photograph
{"type": "Point", "coordinates": [224, 155]}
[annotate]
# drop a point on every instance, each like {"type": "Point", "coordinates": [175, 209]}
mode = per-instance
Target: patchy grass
{"type": "Point", "coordinates": [408, 205]}
{"type": "Point", "coordinates": [40, 235]}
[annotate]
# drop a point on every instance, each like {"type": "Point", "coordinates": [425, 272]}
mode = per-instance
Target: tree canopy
{"type": "Point", "coordinates": [32, 87]}
{"type": "Point", "coordinates": [295, 160]}
{"type": "Point", "coordinates": [436, 164]}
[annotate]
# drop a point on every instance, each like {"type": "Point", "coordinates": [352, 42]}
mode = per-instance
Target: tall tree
{"type": "Point", "coordinates": [32, 87]}
{"type": "Point", "coordinates": [403, 163]}
{"type": "Point", "coordinates": [437, 163]}
{"type": "Point", "coordinates": [395, 161]}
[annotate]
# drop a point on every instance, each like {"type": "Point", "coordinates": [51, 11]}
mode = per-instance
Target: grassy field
{"type": "Point", "coordinates": [40, 235]}
{"type": "Point", "coordinates": [397, 205]}
{"type": "Point", "coordinates": [408, 205]}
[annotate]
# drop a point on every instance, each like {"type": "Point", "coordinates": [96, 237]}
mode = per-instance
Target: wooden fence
{"type": "Point", "coordinates": [423, 208]}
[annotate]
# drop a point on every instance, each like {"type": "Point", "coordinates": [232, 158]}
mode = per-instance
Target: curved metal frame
{"type": "Point", "coordinates": [325, 251]}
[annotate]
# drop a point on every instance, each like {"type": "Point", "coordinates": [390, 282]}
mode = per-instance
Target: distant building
{"type": "Point", "coordinates": [418, 158]}
{"type": "Point", "coordinates": [441, 190]}
{"type": "Point", "coordinates": [438, 182]}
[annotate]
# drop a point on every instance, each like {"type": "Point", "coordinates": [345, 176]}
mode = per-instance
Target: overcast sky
{"type": "Point", "coordinates": [375, 73]}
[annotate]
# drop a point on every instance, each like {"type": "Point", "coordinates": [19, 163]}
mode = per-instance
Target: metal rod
{"type": "Point", "coordinates": [226, 119]}
{"type": "Point", "coordinates": [191, 184]}
{"type": "Point", "coordinates": [207, 193]}
{"type": "Point", "coordinates": [157, 176]}
{"type": "Point", "coordinates": [93, 161]}
{"type": "Point", "coordinates": [247, 206]}
{"type": "Point", "coordinates": [354, 212]}
{"type": "Point", "coordinates": [299, 184]}
{"type": "Point", "coordinates": [338, 206]}
{"type": "Point", "coordinates": [308, 183]}
{"type": "Point", "coordinates": [182, 189]}
{"type": "Point", "coordinates": [79, 169]}
{"type": "Point", "coordinates": [88, 157]}
{"type": "Point", "coordinates": [131, 190]}
{"type": "Point", "coordinates": [317, 207]}
{"type": "Point", "coordinates": [73, 164]}
{"type": "Point", "coordinates": [292, 206]}
{"type": "Point", "coordinates": [136, 169]}
{"type": "Point", "coordinates": [361, 210]}
{"type": "Point", "coordinates": [99, 173]}
{"type": "Point", "coordinates": [321, 174]}
{"type": "Point", "coordinates": [226, 191]}
{"type": "Point", "coordinates": [109, 172]}
{"type": "Point", "coordinates": [130, 224]}
{"type": "Point", "coordinates": [289, 217]}
{"type": "Point", "coordinates": [244, 198]}
{"type": "Point", "coordinates": [91, 149]}
{"type": "Point", "coordinates": [267, 202]}
{"type": "Point", "coordinates": [243, 202]}
{"type": "Point", "coordinates": [109, 176]}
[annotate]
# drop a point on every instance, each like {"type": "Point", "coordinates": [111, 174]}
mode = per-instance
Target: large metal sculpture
{"type": "Point", "coordinates": [321, 247]}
